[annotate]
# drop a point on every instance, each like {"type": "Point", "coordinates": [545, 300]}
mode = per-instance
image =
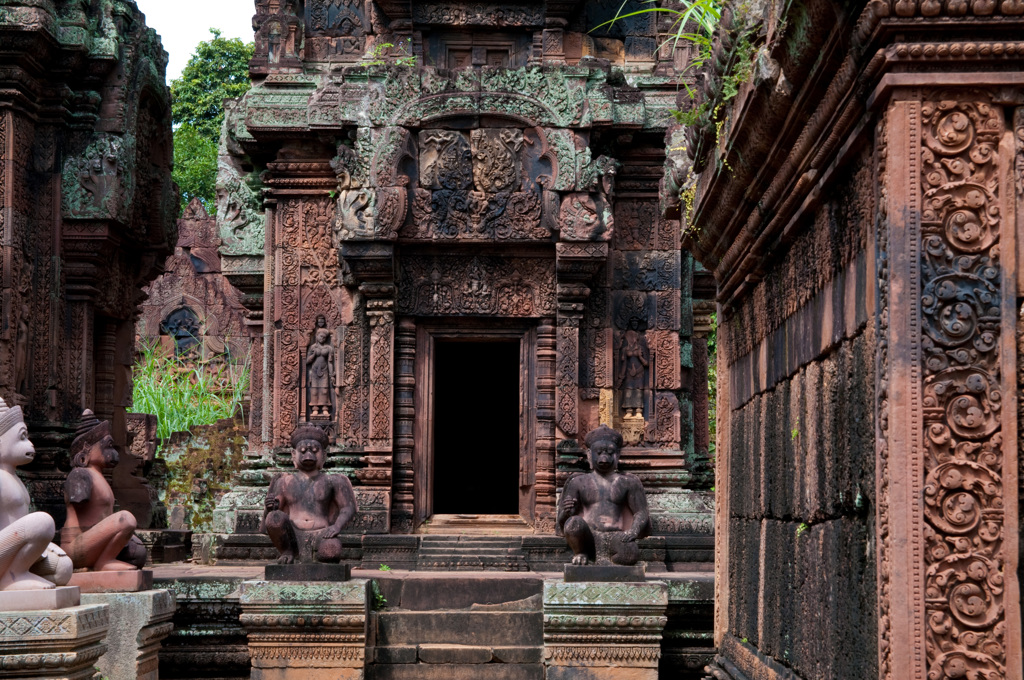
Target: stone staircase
{"type": "Point", "coordinates": [471, 553]}
{"type": "Point", "coordinates": [466, 627]}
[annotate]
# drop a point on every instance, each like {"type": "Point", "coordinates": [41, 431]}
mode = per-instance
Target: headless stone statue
{"type": "Point", "coordinates": [603, 513]}
{"type": "Point", "coordinates": [307, 509]}
{"type": "Point", "coordinates": [28, 560]}
{"type": "Point", "coordinates": [96, 537]}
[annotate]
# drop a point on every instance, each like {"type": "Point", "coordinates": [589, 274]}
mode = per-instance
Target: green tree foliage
{"type": "Point", "coordinates": [218, 70]}
{"type": "Point", "coordinates": [195, 166]}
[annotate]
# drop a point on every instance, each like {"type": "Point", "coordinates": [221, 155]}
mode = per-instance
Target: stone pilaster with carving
{"type": "Point", "coordinates": [604, 631]}
{"type": "Point", "coordinates": [58, 643]}
{"type": "Point", "coordinates": [547, 353]}
{"type": "Point", "coordinates": [139, 623]}
{"type": "Point", "coordinates": [402, 508]}
{"type": "Point", "coordinates": [951, 601]}
{"type": "Point", "coordinates": [305, 630]}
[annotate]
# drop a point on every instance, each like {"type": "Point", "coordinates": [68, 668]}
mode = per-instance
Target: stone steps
{"type": "Point", "coordinates": [458, 628]}
{"type": "Point", "coordinates": [471, 553]}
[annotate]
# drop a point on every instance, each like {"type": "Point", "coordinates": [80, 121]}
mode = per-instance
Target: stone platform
{"type": "Point", "coordinates": [423, 624]}
{"type": "Point", "coordinates": [53, 643]}
{"type": "Point", "coordinates": [112, 581]}
{"type": "Point", "coordinates": [305, 631]}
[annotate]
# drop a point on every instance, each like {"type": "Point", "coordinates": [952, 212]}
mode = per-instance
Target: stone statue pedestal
{"type": "Point", "coordinates": [113, 581]}
{"type": "Point", "coordinates": [603, 631]}
{"type": "Point", "coordinates": [139, 621]}
{"type": "Point", "coordinates": [33, 600]}
{"type": "Point", "coordinates": [575, 573]}
{"type": "Point", "coordinates": [315, 571]}
{"type": "Point", "coordinates": [53, 643]}
{"type": "Point", "coordinates": [324, 625]}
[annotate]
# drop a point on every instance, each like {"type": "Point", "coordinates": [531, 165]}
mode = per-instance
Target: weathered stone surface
{"type": "Point", "coordinates": [112, 581]}
{"type": "Point", "coordinates": [88, 213]}
{"type": "Point", "coordinates": [62, 643]}
{"type": "Point", "coordinates": [575, 573]}
{"type": "Point", "coordinates": [434, 653]}
{"type": "Point", "coordinates": [324, 625]}
{"type": "Point", "coordinates": [490, 671]}
{"type": "Point", "coordinates": [51, 598]}
{"type": "Point", "coordinates": [308, 572]}
{"type": "Point", "coordinates": [138, 624]}
{"type": "Point", "coordinates": [208, 639]}
{"type": "Point", "coordinates": [583, 634]}
{"type": "Point", "coordinates": [463, 628]}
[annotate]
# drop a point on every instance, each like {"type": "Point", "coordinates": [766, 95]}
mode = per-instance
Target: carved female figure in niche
{"type": "Point", "coordinates": [634, 358]}
{"type": "Point", "coordinates": [320, 373]}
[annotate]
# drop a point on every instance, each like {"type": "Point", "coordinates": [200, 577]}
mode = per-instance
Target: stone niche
{"type": "Point", "coordinates": [453, 266]}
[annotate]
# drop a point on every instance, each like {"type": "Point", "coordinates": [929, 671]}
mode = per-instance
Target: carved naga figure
{"type": "Point", "coordinates": [28, 560]}
{"type": "Point", "coordinates": [604, 512]}
{"type": "Point", "coordinates": [307, 509]}
{"type": "Point", "coordinates": [96, 537]}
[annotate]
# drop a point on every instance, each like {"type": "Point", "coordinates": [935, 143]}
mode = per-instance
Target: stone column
{"type": "Point", "coordinates": [947, 522]}
{"type": "Point", "coordinates": [53, 643]}
{"type": "Point", "coordinates": [603, 631]}
{"type": "Point", "coordinates": [138, 624]}
{"type": "Point", "coordinates": [305, 631]}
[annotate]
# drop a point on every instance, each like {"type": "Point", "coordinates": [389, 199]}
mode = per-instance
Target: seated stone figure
{"type": "Point", "coordinates": [307, 509]}
{"type": "Point", "coordinates": [603, 513]}
{"type": "Point", "coordinates": [96, 537]}
{"type": "Point", "coordinates": [28, 560]}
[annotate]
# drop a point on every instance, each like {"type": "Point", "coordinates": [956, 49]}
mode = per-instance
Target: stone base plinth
{"type": "Point", "coordinates": [113, 581]}
{"type": "Point", "coordinates": [138, 624]}
{"type": "Point", "coordinates": [305, 631]}
{"type": "Point", "coordinates": [53, 643]}
{"type": "Point", "coordinates": [575, 573]}
{"type": "Point", "coordinates": [317, 571]}
{"type": "Point", "coordinates": [33, 600]}
{"type": "Point", "coordinates": [603, 631]}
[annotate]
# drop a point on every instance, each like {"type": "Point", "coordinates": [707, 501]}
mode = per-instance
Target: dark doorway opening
{"type": "Point", "coordinates": [476, 428]}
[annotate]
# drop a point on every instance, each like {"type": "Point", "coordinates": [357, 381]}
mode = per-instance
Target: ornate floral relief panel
{"type": "Point", "coordinates": [951, 350]}
{"type": "Point", "coordinates": [307, 289]}
{"type": "Point", "coordinates": [486, 285]}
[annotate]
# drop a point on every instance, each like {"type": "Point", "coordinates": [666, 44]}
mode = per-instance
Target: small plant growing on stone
{"type": "Point", "coordinates": [383, 54]}
{"type": "Point", "coordinates": [379, 601]}
{"type": "Point", "coordinates": [384, 567]}
{"type": "Point", "coordinates": [802, 529]}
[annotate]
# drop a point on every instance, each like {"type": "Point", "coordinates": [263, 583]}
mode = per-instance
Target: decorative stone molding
{"type": "Point", "coordinates": [305, 630]}
{"type": "Point", "coordinates": [64, 643]}
{"type": "Point", "coordinates": [605, 628]}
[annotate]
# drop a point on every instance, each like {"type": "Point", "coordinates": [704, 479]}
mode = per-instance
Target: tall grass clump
{"type": "Point", "coordinates": [693, 21]}
{"type": "Point", "coordinates": [184, 393]}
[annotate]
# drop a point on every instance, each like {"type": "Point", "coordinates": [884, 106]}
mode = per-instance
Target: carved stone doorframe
{"type": "Point", "coordinates": [427, 335]}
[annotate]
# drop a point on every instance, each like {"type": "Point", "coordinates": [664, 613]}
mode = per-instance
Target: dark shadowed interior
{"type": "Point", "coordinates": [476, 431]}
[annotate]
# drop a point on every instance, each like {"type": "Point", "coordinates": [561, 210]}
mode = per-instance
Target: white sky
{"type": "Point", "coordinates": [183, 24]}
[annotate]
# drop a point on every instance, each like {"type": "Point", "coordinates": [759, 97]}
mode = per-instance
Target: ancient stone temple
{"type": "Point", "coordinates": [859, 203]}
{"type": "Point", "coordinates": [460, 257]}
{"type": "Point", "coordinates": [191, 310]}
{"type": "Point", "coordinates": [86, 214]}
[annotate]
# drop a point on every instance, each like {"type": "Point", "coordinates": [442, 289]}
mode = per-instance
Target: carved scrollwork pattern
{"type": "Point", "coordinates": [962, 400]}
{"type": "Point", "coordinates": [567, 379]}
{"type": "Point", "coordinates": [452, 285]}
{"type": "Point", "coordinates": [382, 339]}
